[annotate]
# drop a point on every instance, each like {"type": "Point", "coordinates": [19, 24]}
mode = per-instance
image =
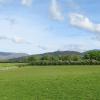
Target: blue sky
{"type": "Point", "coordinates": [38, 26]}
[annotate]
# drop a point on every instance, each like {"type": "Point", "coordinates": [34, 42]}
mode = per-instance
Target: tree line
{"type": "Point", "coordinates": [87, 58]}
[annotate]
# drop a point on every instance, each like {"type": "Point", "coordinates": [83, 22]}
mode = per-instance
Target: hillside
{"type": "Point", "coordinates": [61, 56]}
{"type": "Point", "coordinates": [56, 53]}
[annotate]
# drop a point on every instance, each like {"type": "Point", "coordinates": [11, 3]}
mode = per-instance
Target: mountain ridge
{"type": "Point", "coordinates": [18, 56]}
{"type": "Point", "coordinates": [11, 55]}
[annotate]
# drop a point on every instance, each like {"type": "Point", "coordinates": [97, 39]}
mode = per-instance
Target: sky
{"type": "Point", "coordinates": [39, 26]}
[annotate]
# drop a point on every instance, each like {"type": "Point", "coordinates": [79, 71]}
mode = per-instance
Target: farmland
{"type": "Point", "coordinates": [49, 82]}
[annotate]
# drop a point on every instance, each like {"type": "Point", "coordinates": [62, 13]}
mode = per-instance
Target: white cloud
{"type": "Point", "coordinates": [23, 2]}
{"type": "Point", "coordinates": [26, 2]}
{"type": "Point", "coordinates": [17, 40]}
{"type": "Point", "coordinates": [55, 11]}
{"type": "Point", "coordinates": [3, 38]}
{"type": "Point", "coordinates": [42, 47]}
{"type": "Point", "coordinates": [83, 22]}
{"type": "Point", "coordinates": [20, 40]}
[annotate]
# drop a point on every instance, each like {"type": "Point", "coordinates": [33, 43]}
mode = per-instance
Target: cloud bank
{"type": "Point", "coordinates": [26, 2]}
{"type": "Point", "coordinates": [55, 11]}
{"type": "Point", "coordinates": [20, 40]}
{"type": "Point", "coordinates": [23, 2]}
{"type": "Point", "coordinates": [17, 40]}
{"type": "Point", "coordinates": [83, 22]}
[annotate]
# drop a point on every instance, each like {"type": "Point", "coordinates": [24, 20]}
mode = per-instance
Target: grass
{"type": "Point", "coordinates": [50, 83]}
{"type": "Point", "coordinates": [10, 64]}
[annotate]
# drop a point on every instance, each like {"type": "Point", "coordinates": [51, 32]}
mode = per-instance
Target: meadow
{"type": "Point", "coordinates": [49, 82]}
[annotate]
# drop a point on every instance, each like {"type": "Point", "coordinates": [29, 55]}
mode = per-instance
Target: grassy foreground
{"type": "Point", "coordinates": [50, 83]}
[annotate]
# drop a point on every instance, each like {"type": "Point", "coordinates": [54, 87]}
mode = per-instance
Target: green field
{"type": "Point", "coordinates": [50, 83]}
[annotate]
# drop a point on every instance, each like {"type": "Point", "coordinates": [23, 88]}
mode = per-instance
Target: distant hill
{"type": "Point", "coordinates": [56, 53]}
{"type": "Point", "coordinates": [8, 55]}
{"type": "Point", "coordinates": [60, 58]}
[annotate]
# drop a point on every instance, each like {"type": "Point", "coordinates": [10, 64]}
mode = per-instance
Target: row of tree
{"type": "Point", "coordinates": [87, 58]}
